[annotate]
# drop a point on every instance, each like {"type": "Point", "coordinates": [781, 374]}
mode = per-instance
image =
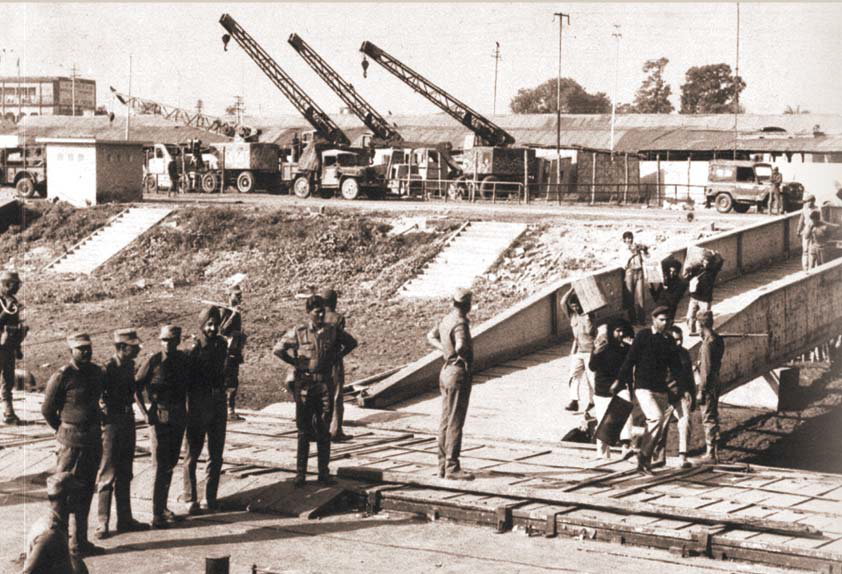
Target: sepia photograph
{"type": "Point", "coordinates": [421, 287]}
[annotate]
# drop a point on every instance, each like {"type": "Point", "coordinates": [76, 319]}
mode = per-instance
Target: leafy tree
{"type": "Point", "coordinates": [653, 96]}
{"type": "Point", "coordinates": [796, 110]}
{"type": "Point", "coordinates": [710, 90]}
{"type": "Point", "coordinates": [574, 99]}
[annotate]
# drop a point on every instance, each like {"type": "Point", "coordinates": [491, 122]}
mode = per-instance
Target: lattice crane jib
{"type": "Point", "coordinates": [486, 130]}
{"type": "Point", "coordinates": [375, 122]}
{"type": "Point", "coordinates": [325, 127]}
{"type": "Point", "coordinates": [197, 120]}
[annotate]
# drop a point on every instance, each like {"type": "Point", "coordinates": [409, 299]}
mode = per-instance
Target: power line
{"type": "Point", "coordinates": [561, 17]}
{"type": "Point", "coordinates": [497, 59]}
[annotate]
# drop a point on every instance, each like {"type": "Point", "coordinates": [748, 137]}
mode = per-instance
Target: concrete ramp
{"type": "Point", "coordinates": [108, 241]}
{"type": "Point", "coordinates": [473, 250]}
{"type": "Point", "coordinates": [761, 289]}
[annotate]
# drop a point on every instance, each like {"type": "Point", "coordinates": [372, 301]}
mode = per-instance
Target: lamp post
{"type": "Point", "coordinates": [561, 17]}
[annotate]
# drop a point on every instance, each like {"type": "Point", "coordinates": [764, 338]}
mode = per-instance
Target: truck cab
{"type": "Point", "coordinates": [25, 168]}
{"type": "Point", "coordinates": [738, 185]}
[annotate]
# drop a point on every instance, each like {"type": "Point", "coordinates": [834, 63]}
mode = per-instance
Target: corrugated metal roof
{"type": "Point", "coordinates": [633, 132]}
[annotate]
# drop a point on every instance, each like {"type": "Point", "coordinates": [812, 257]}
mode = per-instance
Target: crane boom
{"type": "Point", "coordinates": [325, 127]}
{"type": "Point", "coordinates": [378, 125]}
{"type": "Point", "coordinates": [489, 132]}
{"type": "Point", "coordinates": [198, 120]}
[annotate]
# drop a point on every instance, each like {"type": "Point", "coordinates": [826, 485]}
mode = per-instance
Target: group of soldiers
{"type": "Point", "coordinates": [651, 367]}
{"type": "Point", "coordinates": [186, 397]}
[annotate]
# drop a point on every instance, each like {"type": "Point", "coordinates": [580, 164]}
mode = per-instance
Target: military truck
{"type": "Point", "coordinates": [739, 185]}
{"type": "Point", "coordinates": [24, 167]}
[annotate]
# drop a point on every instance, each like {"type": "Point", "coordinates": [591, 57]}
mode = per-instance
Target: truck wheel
{"type": "Point", "coordinates": [741, 207]}
{"type": "Point", "coordinates": [350, 188]}
{"type": "Point", "coordinates": [209, 183]}
{"type": "Point", "coordinates": [150, 183]}
{"type": "Point", "coordinates": [245, 182]}
{"type": "Point", "coordinates": [301, 187]}
{"type": "Point", "coordinates": [25, 187]}
{"type": "Point", "coordinates": [487, 187]}
{"type": "Point", "coordinates": [724, 203]}
{"type": "Point", "coordinates": [457, 189]}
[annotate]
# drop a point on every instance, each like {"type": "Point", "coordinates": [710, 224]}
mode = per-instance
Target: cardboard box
{"type": "Point", "coordinates": [653, 270]}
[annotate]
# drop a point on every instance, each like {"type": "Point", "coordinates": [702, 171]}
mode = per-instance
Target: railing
{"type": "Point", "coordinates": [474, 190]}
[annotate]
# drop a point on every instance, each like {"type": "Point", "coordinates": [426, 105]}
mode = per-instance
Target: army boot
{"type": "Point", "coordinates": [711, 454]}
{"type": "Point", "coordinates": [324, 461]}
{"type": "Point", "coordinates": [301, 455]}
{"type": "Point", "coordinates": [9, 416]}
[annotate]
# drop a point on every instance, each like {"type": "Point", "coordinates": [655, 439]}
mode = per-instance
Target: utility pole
{"type": "Point", "coordinates": [129, 108]}
{"type": "Point", "coordinates": [737, 83]}
{"type": "Point", "coordinates": [561, 18]}
{"type": "Point", "coordinates": [496, 62]}
{"type": "Point", "coordinates": [617, 37]}
{"type": "Point", "coordinates": [73, 88]}
{"type": "Point", "coordinates": [238, 100]}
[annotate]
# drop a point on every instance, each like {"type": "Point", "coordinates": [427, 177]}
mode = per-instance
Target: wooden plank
{"type": "Point", "coordinates": [570, 498]}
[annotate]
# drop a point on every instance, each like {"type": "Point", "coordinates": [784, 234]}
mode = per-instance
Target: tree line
{"type": "Point", "coordinates": [709, 89]}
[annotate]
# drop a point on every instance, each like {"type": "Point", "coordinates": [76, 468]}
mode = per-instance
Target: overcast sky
{"type": "Point", "coordinates": [790, 54]}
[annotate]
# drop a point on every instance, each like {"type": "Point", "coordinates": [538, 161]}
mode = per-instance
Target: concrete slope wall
{"type": "Point", "coordinates": [536, 321]}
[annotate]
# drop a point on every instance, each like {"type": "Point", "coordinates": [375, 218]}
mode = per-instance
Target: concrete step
{"type": "Point", "coordinates": [104, 243]}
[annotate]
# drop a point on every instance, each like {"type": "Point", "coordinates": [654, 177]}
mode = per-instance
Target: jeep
{"type": "Point", "coordinates": [738, 185]}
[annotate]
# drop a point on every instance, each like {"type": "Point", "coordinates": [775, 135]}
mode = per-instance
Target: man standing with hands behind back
{"type": "Point", "coordinates": [452, 337]}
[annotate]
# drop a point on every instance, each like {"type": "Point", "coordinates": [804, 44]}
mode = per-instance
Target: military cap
{"type": "Point", "coordinates": [7, 275]}
{"type": "Point", "coordinates": [705, 317]}
{"type": "Point", "coordinates": [77, 340]}
{"type": "Point", "coordinates": [808, 198]}
{"type": "Point", "coordinates": [170, 332]}
{"type": "Point", "coordinates": [661, 310]}
{"type": "Point", "coordinates": [62, 484]}
{"type": "Point", "coordinates": [462, 295]}
{"type": "Point", "coordinates": [126, 336]}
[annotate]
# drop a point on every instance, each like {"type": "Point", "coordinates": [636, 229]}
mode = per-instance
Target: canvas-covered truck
{"type": "Point", "coordinates": [23, 166]}
{"type": "Point", "coordinates": [740, 184]}
{"type": "Point", "coordinates": [494, 172]}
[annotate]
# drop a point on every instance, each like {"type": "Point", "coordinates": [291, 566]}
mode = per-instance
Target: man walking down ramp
{"type": "Point", "coordinates": [452, 337]}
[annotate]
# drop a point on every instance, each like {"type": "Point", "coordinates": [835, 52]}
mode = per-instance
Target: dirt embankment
{"type": "Point", "coordinates": [283, 253]}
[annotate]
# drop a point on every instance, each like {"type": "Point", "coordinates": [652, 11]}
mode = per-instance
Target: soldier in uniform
{"type": "Point", "coordinates": [12, 332]}
{"type": "Point", "coordinates": [206, 410]}
{"type": "Point", "coordinates": [776, 204]}
{"type": "Point", "coordinates": [313, 349]}
{"type": "Point", "coordinates": [333, 317]}
{"type": "Point", "coordinates": [231, 327]}
{"type": "Point", "coordinates": [164, 376]}
{"type": "Point", "coordinates": [47, 541]}
{"type": "Point", "coordinates": [118, 436]}
{"type": "Point", "coordinates": [709, 362]}
{"type": "Point", "coordinates": [71, 407]}
{"type": "Point", "coordinates": [452, 337]}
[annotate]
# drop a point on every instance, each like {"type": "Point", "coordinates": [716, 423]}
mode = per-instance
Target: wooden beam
{"type": "Point", "coordinates": [482, 486]}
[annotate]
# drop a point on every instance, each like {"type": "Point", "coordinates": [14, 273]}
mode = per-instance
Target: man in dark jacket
{"type": "Point", "coordinates": [669, 293]}
{"type": "Point", "coordinates": [118, 436]}
{"type": "Point", "coordinates": [702, 279]}
{"type": "Point", "coordinates": [651, 361]}
{"type": "Point", "coordinates": [164, 376]}
{"type": "Point", "coordinates": [12, 332]}
{"type": "Point", "coordinates": [71, 407]}
{"type": "Point", "coordinates": [206, 410]}
{"type": "Point", "coordinates": [607, 358]}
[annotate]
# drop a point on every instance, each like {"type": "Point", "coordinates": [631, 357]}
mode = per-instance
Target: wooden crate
{"type": "Point", "coordinates": [590, 294]}
{"type": "Point", "coordinates": [653, 270]}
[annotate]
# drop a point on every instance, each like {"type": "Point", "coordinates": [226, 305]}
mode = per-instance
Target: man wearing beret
{"type": "Point", "coordinates": [651, 362]}
{"type": "Point", "coordinates": [12, 332]}
{"type": "Point", "coordinates": [312, 349]}
{"type": "Point", "coordinates": [709, 362]}
{"type": "Point", "coordinates": [207, 414]}
{"type": "Point", "coordinates": [118, 436]}
{"type": "Point", "coordinates": [231, 328]}
{"type": "Point", "coordinates": [164, 377]}
{"type": "Point", "coordinates": [47, 547]}
{"type": "Point", "coordinates": [71, 407]}
{"type": "Point", "coordinates": [337, 319]}
{"type": "Point", "coordinates": [452, 336]}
